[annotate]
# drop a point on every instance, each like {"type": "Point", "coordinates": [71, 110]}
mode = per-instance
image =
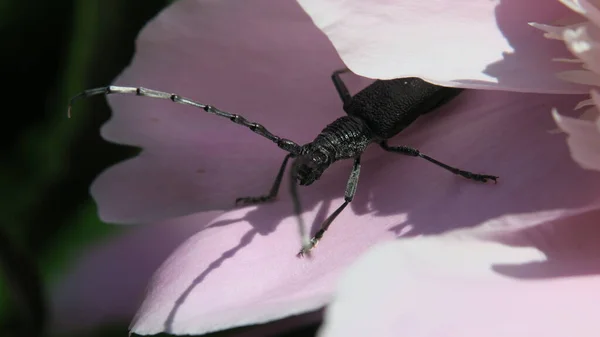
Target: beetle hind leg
{"type": "Point", "coordinates": [340, 86]}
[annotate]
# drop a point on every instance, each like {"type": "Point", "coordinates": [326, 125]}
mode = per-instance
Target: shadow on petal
{"type": "Point", "coordinates": [489, 45]}
{"type": "Point", "coordinates": [453, 285]}
{"type": "Point", "coordinates": [512, 19]}
{"type": "Point", "coordinates": [570, 244]}
{"type": "Point", "coordinates": [213, 265]}
{"type": "Point", "coordinates": [394, 194]}
{"type": "Point", "coordinates": [486, 132]}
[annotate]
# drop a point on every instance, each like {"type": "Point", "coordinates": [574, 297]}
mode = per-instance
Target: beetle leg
{"type": "Point", "coordinates": [351, 186]}
{"type": "Point", "coordinates": [272, 193]}
{"type": "Point", "coordinates": [340, 86]}
{"type": "Point", "coordinates": [409, 151]}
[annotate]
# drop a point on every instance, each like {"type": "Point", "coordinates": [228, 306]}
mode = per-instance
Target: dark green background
{"type": "Point", "coordinates": [50, 51]}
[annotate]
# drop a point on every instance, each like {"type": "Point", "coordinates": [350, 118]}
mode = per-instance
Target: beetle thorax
{"type": "Point", "coordinates": [345, 138]}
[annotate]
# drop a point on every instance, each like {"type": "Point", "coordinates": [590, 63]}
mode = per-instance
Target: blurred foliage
{"type": "Point", "coordinates": [52, 50]}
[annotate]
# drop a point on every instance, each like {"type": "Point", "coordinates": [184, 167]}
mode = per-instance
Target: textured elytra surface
{"type": "Point", "coordinates": [390, 106]}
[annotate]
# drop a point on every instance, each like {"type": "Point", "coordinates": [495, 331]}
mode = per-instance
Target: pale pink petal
{"type": "Point", "coordinates": [585, 103]}
{"type": "Point", "coordinates": [243, 269]}
{"type": "Point", "coordinates": [591, 114]}
{"type": "Point", "coordinates": [546, 283]}
{"type": "Point", "coordinates": [583, 46]}
{"type": "Point", "coordinates": [263, 59]}
{"type": "Point", "coordinates": [584, 77]}
{"type": "Point", "coordinates": [584, 137]}
{"type": "Point", "coordinates": [554, 32]}
{"type": "Point", "coordinates": [106, 284]}
{"type": "Point", "coordinates": [590, 9]}
{"type": "Point", "coordinates": [472, 44]}
{"type": "Point", "coordinates": [569, 60]}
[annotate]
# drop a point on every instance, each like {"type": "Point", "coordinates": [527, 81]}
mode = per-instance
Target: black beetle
{"type": "Point", "coordinates": [375, 114]}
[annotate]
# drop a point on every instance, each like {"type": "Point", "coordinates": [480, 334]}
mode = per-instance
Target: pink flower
{"type": "Point", "coordinates": [266, 60]}
{"type": "Point", "coordinates": [541, 280]}
{"type": "Point", "coordinates": [583, 40]}
{"type": "Point", "coordinates": [464, 43]}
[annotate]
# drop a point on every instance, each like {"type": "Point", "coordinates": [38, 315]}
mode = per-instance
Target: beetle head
{"type": "Point", "coordinates": [309, 166]}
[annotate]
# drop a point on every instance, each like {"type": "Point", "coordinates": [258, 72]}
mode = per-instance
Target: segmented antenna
{"type": "Point", "coordinates": [283, 143]}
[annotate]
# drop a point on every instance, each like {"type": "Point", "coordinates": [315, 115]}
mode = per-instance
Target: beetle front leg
{"type": "Point", "coordinates": [272, 193]}
{"type": "Point", "coordinates": [351, 186]}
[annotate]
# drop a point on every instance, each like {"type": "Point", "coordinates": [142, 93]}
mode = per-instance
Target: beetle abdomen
{"type": "Point", "coordinates": [389, 106]}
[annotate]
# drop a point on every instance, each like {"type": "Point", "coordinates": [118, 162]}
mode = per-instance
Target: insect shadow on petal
{"type": "Point", "coordinates": [375, 114]}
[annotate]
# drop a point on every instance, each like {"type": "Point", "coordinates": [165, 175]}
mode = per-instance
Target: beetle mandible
{"type": "Point", "coordinates": [378, 112]}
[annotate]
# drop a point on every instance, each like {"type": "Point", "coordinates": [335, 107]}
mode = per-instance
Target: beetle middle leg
{"type": "Point", "coordinates": [348, 196]}
{"type": "Point", "coordinates": [409, 151]}
{"type": "Point", "coordinates": [272, 193]}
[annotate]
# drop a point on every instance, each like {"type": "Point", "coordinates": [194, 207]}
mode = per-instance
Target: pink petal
{"type": "Point", "coordinates": [471, 44]}
{"type": "Point", "coordinates": [584, 47]}
{"type": "Point", "coordinates": [546, 284]}
{"type": "Point", "coordinates": [590, 9]}
{"type": "Point", "coordinates": [273, 66]}
{"type": "Point", "coordinates": [107, 283]}
{"type": "Point", "coordinates": [243, 269]}
{"type": "Point", "coordinates": [105, 286]}
{"type": "Point", "coordinates": [554, 32]}
{"type": "Point", "coordinates": [584, 138]}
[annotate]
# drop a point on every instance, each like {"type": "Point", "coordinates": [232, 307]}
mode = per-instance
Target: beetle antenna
{"type": "Point", "coordinates": [283, 143]}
